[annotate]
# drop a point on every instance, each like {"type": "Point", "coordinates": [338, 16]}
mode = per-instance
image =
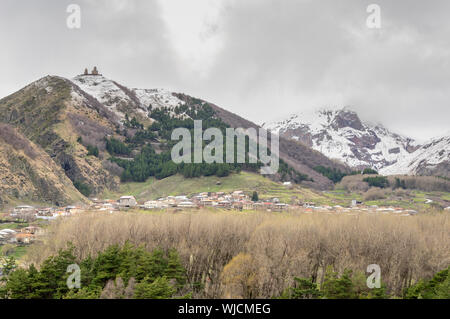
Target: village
{"type": "Point", "coordinates": [33, 217]}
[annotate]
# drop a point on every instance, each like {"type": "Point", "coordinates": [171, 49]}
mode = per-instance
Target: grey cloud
{"type": "Point", "coordinates": [277, 57]}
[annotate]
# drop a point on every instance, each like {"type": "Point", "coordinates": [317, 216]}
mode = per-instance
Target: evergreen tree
{"type": "Point", "coordinates": [157, 289]}
{"type": "Point", "coordinates": [174, 269]}
{"type": "Point", "coordinates": [338, 287]}
{"type": "Point", "coordinates": [436, 288]}
{"type": "Point", "coordinates": [304, 288]}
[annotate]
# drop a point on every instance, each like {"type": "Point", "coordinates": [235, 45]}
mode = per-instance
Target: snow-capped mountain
{"type": "Point", "coordinates": [340, 134]}
{"type": "Point", "coordinates": [119, 99]}
{"type": "Point", "coordinates": [432, 158]}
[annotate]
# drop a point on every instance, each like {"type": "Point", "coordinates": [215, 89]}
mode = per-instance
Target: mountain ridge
{"type": "Point", "coordinates": [65, 117]}
{"type": "Point", "coordinates": [341, 134]}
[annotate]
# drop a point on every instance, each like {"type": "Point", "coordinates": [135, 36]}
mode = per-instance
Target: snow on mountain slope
{"type": "Point", "coordinates": [119, 98]}
{"type": "Point", "coordinates": [433, 158]}
{"type": "Point", "coordinates": [340, 134]}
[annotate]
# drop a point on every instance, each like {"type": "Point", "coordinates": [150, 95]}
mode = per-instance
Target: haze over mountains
{"type": "Point", "coordinates": [341, 134]}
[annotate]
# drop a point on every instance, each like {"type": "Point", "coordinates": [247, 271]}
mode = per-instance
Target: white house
{"type": "Point", "coordinates": [186, 204]}
{"type": "Point", "coordinates": [127, 201]}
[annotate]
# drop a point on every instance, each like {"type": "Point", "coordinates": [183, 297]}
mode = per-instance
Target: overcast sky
{"type": "Point", "coordinates": [262, 59]}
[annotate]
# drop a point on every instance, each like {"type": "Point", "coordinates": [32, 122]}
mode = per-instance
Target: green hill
{"type": "Point", "coordinates": [245, 181]}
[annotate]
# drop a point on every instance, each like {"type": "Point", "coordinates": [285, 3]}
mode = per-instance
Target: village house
{"type": "Point", "coordinates": [23, 238]}
{"type": "Point", "coordinates": [237, 195]}
{"type": "Point", "coordinates": [247, 205]}
{"type": "Point", "coordinates": [23, 212]}
{"type": "Point", "coordinates": [127, 201]}
{"type": "Point", "coordinates": [224, 204]}
{"type": "Point", "coordinates": [181, 198]}
{"type": "Point", "coordinates": [153, 204]}
{"type": "Point", "coordinates": [33, 230]}
{"type": "Point", "coordinates": [238, 205]}
{"type": "Point", "coordinates": [72, 210]}
{"type": "Point", "coordinates": [288, 185]}
{"type": "Point", "coordinates": [186, 204]}
{"type": "Point", "coordinates": [258, 206]}
{"type": "Point", "coordinates": [355, 203]}
{"type": "Point", "coordinates": [7, 236]}
{"type": "Point", "coordinates": [107, 206]}
{"type": "Point", "coordinates": [280, 206]}
{"type": "Point", "coordinates": [205, 202]}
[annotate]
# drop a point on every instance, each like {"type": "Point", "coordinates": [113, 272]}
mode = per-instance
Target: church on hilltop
{"type": "Point", "coordinates": [94, 71]}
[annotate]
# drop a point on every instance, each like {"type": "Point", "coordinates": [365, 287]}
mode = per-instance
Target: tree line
{"type": "Point", "coordinates": [149, 163]}
{"type": "Point", "coordinates": [117, 272]}
{"type": "Point", "coordinates": [130, 272]}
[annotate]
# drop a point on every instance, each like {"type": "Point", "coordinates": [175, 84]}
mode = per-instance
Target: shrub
{"type": "Point", "coordinates": [436, 288]}
{"type": "Point", "coordinates": [83, 188]}
{"type": "Point", "coordinates": [374, 194]}
{"type": "Point", "coordinates": [377, 181]}
{"type": "Point", "coordinates": [351, 184]}
{"type": "Point", "coordinates": [92, 150]}
{"type": "Point", "coordinates": [338, 287]}
{"type": "Point", "coordinates": [423, 183]}
{"type": "Point", "coordinates": [332, 174]}
{"type": "Point", "coordinates": [304, 288]}
{"type": "Point", "coordinates": [369, 171]}
{"type": "Point", "coordinates": [116, 147]}
{"type": "Point", "coordinates": [158, 289]}
{"type": "Point", "coordinates": [112, 167]}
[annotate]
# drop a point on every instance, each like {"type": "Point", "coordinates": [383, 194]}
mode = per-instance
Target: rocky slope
{"type": "Point", "coordinates": [54, 114]}
{"type": "Point", "coordinates": [28, 174]}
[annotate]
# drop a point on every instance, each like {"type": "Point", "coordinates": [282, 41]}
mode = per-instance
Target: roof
{"type": "Point", "coordinates": [7, 231]}
{"type": "Point", "coordinates": [24, 235]}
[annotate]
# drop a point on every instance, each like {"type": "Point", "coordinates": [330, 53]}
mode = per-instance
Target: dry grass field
{"type": "Point", "coordinates": [258, 254]}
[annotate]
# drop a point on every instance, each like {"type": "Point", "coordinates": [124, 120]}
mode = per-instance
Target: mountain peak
{"type": "Point", "coordinates": [347, 118]}
{"type": "Point", "coordinates": [339, 133]}
{"type": "Point", "coordinates": [121, 99]}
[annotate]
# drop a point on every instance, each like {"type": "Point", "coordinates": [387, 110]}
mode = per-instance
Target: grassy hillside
{"type": "Point", "coordinates": [245, 181]}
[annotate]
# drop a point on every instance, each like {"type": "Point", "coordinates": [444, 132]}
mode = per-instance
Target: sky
{"type": "Point", "coordinates": [261, 59]}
